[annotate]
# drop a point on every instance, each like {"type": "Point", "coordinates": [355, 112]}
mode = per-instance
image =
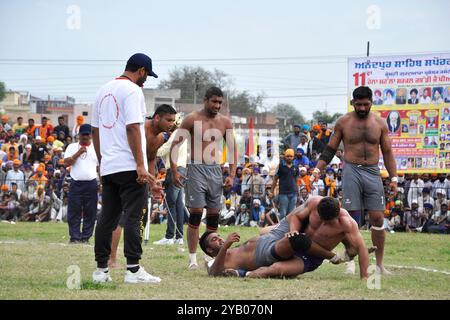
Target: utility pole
{"type": "Point", "coordinates": [195, 87]}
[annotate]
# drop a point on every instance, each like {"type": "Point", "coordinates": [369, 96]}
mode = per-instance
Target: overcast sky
{"type": "Point", "coordinates": [304, 43]}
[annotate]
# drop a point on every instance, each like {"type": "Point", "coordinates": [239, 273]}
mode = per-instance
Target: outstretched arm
{"type": "Point", "coordinates": [354, 238]}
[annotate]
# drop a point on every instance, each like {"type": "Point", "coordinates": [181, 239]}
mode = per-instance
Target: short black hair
{"type": "Point", "coordinates": [203, 243]}
{"type": "Point", "coordinates": [164, 109]}
{"type": "Point", "coordinates": [19, 118]}
{"type": "Point", "coordinates": [213, 91]}
{"type": "Point", "coordinates": [44, 118]}
{"type": "Point", "coordinates": [60, 117]}
{"type": "Point", "coordinates": [132, 67]}
{"type": "Point", "coordinates": [30, 120]}
{"type": "Point", "coordinates": [328, 208]}
{"type": "Point", "coordinates": [414, 90]}
{"type": "Point", "coordinates": [362, 93]}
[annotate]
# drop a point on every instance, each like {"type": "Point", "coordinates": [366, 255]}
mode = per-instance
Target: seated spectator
{"type": "Point", "coordinates": [304, 196]}
{"type": "Point", "coordinates": [40, 208]}
{"type": "Point", "coordinates": [227, 214]}
{"type": "Point", "coordinates": [395, 223]}
{"type": "Point", "coordinates": [243, 217]}
{"type": "Point", "coordinates": [234, 198]}
{"type": "Point", "coordinates": [440, 221]}
{"type": "Point", "coordinates": [304, 181]}
{"type": "Point", "coordinates": [441, 198]}
{"type": "Point", "coordinates": [245, 184]}
{"type": "Point", "coordinates": [257, 213]}
{"type": "Point", "coordinates": [330, 182]}
{"type": "Point", "coordinates": [316, 183]}
{"type": "Point", "coordinates": [300, 158]}
{"type": "Point", "coordinates": [412, 217]}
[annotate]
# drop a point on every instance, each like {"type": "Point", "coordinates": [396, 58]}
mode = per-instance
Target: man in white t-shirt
{"type": "Point", "coordinates": [119, 140]}
{"type": "Point", "coordinates": [81, 157]}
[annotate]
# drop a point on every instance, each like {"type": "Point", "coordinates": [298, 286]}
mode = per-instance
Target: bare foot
{"type": "Point", "coordinates": [382, 270]}
{"type": "Point", "coordinates": [230, 273]}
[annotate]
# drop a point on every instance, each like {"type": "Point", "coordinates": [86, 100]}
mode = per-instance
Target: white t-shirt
{"type": "Point", "coordinates": [85, 167]}
{"type": "Point", "coordinates": [119, 103]}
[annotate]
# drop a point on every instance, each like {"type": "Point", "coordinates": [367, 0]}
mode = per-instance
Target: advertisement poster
{"type": "Point", "coordinates": [412, 94]}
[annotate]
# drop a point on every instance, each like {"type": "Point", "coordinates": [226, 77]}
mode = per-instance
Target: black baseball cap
{"type": "Point", "coordinates": [85, 129]}
{"type": "Point", "coordinates": [142, 60]}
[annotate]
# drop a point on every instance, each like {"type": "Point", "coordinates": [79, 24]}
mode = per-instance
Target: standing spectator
{"type": "Point", "coordinates": [426, 181]}
{"type": "Point", "coordinates": [4, 123]}
{"type": "Point", "coordinates": [314, 144]}
{"type": "Point", "coordinates": [19, 128]}
{"type": "Point", "coordinates": [39, 149]}
{"type": "Point", "coordinates": [257, 185]}
{"type": "Point", "coordinates": [83, 161]}
{"type": "Point", "coordinates": [292, 140]}
{"type": "Point", "coordinates": [120, 145]}
{"type": "Point", "coordinates": [441, 183]}
{"type": "Point", "coordinates": [246, 176]}
{"type": "Point", "coordinates": [270, 161]}
{"type": "Point", "coordinates": [45, 130]}
{"type": "Point", "coordinates": [31, 128]}
{"type": "Point", "coordinates": [28, 157]}
{"type": "Point", "coordinates": [415, 189]}
{"type": "Point", "coordinates": [16, 176]}
{"type": "Point", "coordinates": [61, 127]}
{"type": "Point", "coordinates": [76, 127]}
{"type": "Point", "coordinates": [39, 177]}
{"type": "Point", "coordinates": [324, 134]}
{"type": "Point", "coordinates": [11, 143]}
{"type": "Point", "coordinates": [303, 144]}
{"type": "Point", "coordinates": [287, 173]}
{"type": "Point", "coordinates": [174, 194]}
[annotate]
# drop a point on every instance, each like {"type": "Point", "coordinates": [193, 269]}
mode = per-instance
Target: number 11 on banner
{"type": "Point", "coordinates": [360, 77]}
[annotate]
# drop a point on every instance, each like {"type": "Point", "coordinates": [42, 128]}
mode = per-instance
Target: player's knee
{"type": "Point", "coordinates": [212, 220]}
{"type": "Point", "coordinates": [194, 219]}
{"type": "Point", "coordinates": [300, 242]}
{"type": "Point", "coordinates": [377, 220]}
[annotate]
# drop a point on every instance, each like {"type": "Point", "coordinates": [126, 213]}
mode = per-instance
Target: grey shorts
{"type": "Point", "coordinates": [362, 188]}
{"type": "Point", "coordinates": [204, 186]}
{"type": "Point", "coordinates": [265, 246]}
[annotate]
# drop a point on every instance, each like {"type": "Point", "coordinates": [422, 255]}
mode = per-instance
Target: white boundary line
{"type": "Point", "coordinates": [418, 268]}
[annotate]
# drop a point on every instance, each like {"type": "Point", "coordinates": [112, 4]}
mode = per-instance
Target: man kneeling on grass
{"type": "Point", "coordinates": [299, 244]}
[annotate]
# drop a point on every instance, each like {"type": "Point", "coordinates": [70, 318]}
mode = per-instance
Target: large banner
{"type": "Point", "coordinates": [412, 93]}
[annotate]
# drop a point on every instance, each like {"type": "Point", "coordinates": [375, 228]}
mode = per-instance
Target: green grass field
{"type": "Point", "coordinates": [34, 258]}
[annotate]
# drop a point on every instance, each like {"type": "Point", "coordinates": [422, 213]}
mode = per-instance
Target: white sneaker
{"type": "Point", "coordinates": [101, 277]}
{"type": "Point", "coordinates": [140, 276]}
{"type": "Point", "coordinates": [351, 267]}
{"type": "Point", "coordinates": [179, 241]}
{"type": "Point", "coordinates": [165, 241]}
{"type": "Point", "coordinates": [193, 266]}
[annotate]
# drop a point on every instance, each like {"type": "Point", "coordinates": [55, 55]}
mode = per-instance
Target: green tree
{"type": "Point", "coordinates": [195, 79]}
{"type": "Point", "coordinates": [2, 91]}
{"type": "Point", "coordinates": [288, 116]}
{"type": "Point", "coordinates": [325, 116]}
{"type": "Point", "coordinates": [244, 103]}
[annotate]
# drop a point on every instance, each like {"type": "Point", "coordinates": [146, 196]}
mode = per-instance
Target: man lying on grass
{"type": "Point", "coordinates": [299, 244]}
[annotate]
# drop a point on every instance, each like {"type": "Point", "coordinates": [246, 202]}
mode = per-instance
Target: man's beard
{"type": "Point", "coordinates": [140, 81]}
{"type": "Point", "coordinates": [362, 114]}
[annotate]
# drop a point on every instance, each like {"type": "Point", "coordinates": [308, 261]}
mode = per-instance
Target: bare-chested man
{"type": "Point", "coordinates": [205, 131]}
{"type": "Point", "coordinates": [156, 135]}
{"type": "Point", "coordinates": [363, 134]}
{"type": "Point", "coordinates": [297, 245]}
